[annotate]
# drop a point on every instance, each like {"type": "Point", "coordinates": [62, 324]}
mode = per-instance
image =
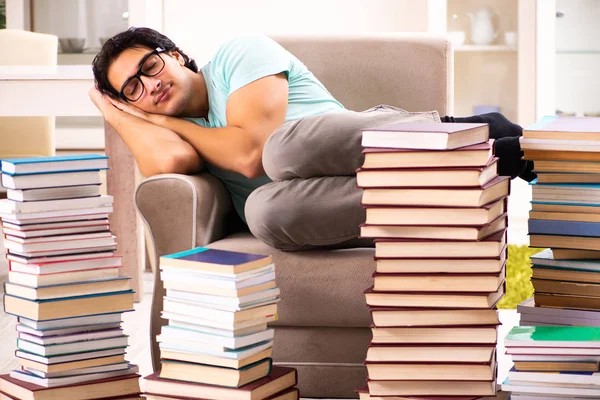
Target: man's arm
{"type": "Point", "coordinates": [156, 149]}
{"type": "Point", "coordinates": [253, 113]}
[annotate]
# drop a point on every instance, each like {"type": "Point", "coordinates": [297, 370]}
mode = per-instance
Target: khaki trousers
{"type": "Point", "coordinates": [313, 200]}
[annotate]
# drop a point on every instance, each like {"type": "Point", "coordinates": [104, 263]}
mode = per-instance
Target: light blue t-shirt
{"type": "Point", "coordinates": [241, 61]}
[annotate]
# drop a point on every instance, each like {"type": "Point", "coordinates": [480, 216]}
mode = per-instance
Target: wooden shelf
{"type": "Point", "coordinates": [491, 47]}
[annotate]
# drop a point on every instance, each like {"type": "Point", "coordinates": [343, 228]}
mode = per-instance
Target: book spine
{"type": "Point", "coordinates": [564, 228]}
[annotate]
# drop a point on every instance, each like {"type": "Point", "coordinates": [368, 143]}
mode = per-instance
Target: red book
{"type": "Point", "coordinates": [120, 387]}
{"type": "Point", "coordinates": [280, 379]}
{"type": "Point", "coordinates": [470, 156]}
{"type": "Point", "coordinates": [473, 177]}
{"type": "Point", "coordinates": [288, 394]}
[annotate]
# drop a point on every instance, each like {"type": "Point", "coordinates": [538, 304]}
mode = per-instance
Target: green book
{"type": "Point", "coordinates": [553, 336]}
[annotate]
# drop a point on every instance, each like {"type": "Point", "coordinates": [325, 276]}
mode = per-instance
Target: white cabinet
{"type": "Point", "coordinates": [577, 57]}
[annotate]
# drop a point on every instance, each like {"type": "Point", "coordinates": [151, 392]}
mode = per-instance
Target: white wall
{"type": "Point", "coordinates": [198, 27]}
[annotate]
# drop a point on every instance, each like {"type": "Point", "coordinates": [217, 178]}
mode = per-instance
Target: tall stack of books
{"type": "Point", "coordinates": [561, 361]}
{"type": "Point", "coordinates": [63, 282]}
{"type": "Point", "coordinates": [553, 362]}
{"type": "Point", "coordinates": [217, 344]}
{"type": "Point", "coordinates": [565, 217]}
{"type": "Point", "coordinates": [436, 208]}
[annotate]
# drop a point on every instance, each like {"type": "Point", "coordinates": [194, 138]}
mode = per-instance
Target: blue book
{"type": "Point", "coordinates": [216, 261]}
{"type": "Point", "coordinates": [45, 165]}
{"type": "Point", "coordinates": [564, 228]}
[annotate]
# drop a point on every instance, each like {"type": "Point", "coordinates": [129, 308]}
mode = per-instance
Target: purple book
{"type": "Point", "coordinates": [213, 260]}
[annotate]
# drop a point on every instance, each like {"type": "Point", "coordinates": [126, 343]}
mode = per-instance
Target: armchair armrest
{"type": "Point", "coordinates": [179, 212]}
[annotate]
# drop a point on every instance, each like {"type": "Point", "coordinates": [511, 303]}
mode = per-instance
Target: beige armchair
{"type": "Point", "coordinates": [30, 136]}
{"type": "Point", "coordinates": [323, 327]}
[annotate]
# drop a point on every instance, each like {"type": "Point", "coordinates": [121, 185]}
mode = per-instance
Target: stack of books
{"type": "Point", "coordinates": [436, 208]}
{"type": "Point", "coordinates": [217, 344]}
{"type": "Point", "coordinates": [530, 315]}
{"type": "Point", "coordinates": [63, 282]}
{"type": "Point", "coordinates": [565, 214]}
{"type": "Point", "coordinates": [553, 362]}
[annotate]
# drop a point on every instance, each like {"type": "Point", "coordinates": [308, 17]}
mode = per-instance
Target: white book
{"type": "Point", "coordinates": [56, 232]}
{"type": "Point", "coordinates": [534, 323]}
{"type": "Point", "coordinates": [68, 266]}
{"type": "Point", "coordinates": [227, 307]}
{"type": "Point", "coordinates": [54, 216]}
{"type": "Point", "coordinates": [63, 192]}
{"type": "Point", "coordinates": [66, 258]}
{"type": "Point", "coordinates": [67, 348]}
{"type": "Point", "coordinates": [563, 145]}
{"type": "Point", "coordinates": [214, 274]}
{"type": "Point", "coordinates": [35, 181]}
{"type": "Point", "coordinates": [79, 371]}
{"type": "Point", "coordinates": [70, 380]}
{"type": "Point", "coordinates": [76, 223]}
{"type": "Point", "coordinates": [197, 320]}
{"type": "Point", "coordinates": [16, 207]}
{"type": "Point", "coordinates": [554, 351]}
{"type": "Point", "coordinates": [536, 320]}
{"type": "Point", "coordinates": [531, 387]}
{"type": "Point", "coordinates": [428, 136]}
{"type": "Point", "coordinates": [237, 354]}
{"type": "Point", "coordinates": [56, 245]}
{"type": "Point", "coordinates": [51, 360]}
{"type": "Point", "coordinates": [99, 319]}
{"type": "Point", "coordinates": [62, 278]}
{"type": "Point", "coordinates": [63, 216]}
{"type": "Point", "coordinates": [520, 396]}
{"type": "Point", "coordinates": [192, 309]}
{"type": "Point", "coordinates": [59, 238]}
{"type": "Point", "coordinates": [577, 378]}
{"type": "Point", "coordinates": [52, 253]}
{"type": "Point", "coordinates": [218, 276]}
{"type": "Point", "coordinates": [174, 335]}
{"type": "Point", "coordinates": [71, 338]}
{"type": "Point", "coordinates": [220, 332]}
{"type": "Point", "coordinates": [557, 358]}
{"type": "Point", "coordinates": [66, 331]}
{"type": "Point", "coordinates": [264, 296]}
{"type": "Point", "coordinates": [528, 307]}
{"type": "Point", "coordinates": [217, 282]}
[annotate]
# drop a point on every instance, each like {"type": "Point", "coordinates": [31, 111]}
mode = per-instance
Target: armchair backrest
{"type": "Point", "coordinates": [407, 70]}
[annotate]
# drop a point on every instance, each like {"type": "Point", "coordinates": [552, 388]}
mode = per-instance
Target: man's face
{"type": "Point", "coordinates": [166, 92]}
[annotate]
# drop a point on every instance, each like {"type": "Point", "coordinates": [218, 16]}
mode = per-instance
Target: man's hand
{"type": "Point", "coordinates": [128, 108]}
{"type": "Point", "coordinates": [107, 104]}
{"type": "Point", "coordinates": [100, 101]}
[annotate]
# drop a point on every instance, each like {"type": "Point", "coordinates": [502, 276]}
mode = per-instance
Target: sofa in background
{"type": "Point", "coordinates": [323, 327]}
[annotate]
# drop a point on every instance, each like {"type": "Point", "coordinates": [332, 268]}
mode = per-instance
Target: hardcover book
{"type": "Point", "coordinates": [425, 135]}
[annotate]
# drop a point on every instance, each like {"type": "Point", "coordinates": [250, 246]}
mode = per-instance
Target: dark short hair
{"type": "Point", "coordinates": [131, 38]}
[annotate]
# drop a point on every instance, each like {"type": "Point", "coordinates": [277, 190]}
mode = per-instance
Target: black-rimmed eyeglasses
{"type": "Point", "coordinates": [151, 65]}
